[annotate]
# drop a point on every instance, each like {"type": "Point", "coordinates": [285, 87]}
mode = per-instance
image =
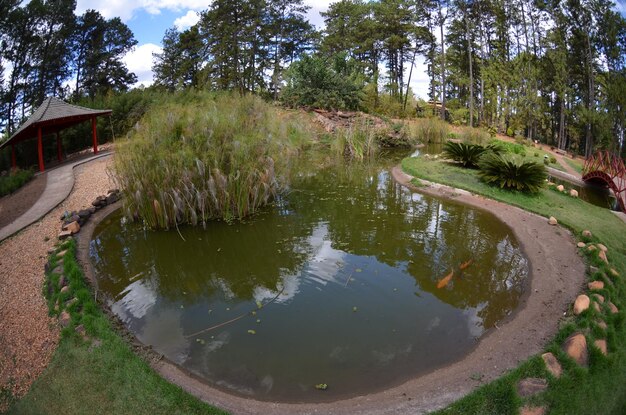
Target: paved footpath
{"type": "Point", "coordinates": [59, 184]}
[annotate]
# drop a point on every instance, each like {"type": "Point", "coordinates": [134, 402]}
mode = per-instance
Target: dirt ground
{"type": "Point", "coordinates": [28, 336]}
{"type": "Point", "coordinates": [14, 205]}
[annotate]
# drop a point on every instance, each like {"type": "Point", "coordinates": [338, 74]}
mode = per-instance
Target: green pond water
{"type": "Point", "coordinates": [345, 269]}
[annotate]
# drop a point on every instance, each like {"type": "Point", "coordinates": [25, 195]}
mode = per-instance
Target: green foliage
{"type": "Point", "coordinates": [511, 173]}
{"type": "Point", "coordinates": [317, 82]}
{"type": "Point", "coordinates": [465, 153]}
{"type": "Point", "coordinates": [475, 136]}
{"type": "Point", "coordinates": [512, 148]}
{"type": "Point", "coordinates": [429, 130]}
{"type": "Point", "coordinates": [210, 157]}
{"type": "Point", "coordinates": [355, 143]}
{"type": "Point", "coordinates": [14, 180]}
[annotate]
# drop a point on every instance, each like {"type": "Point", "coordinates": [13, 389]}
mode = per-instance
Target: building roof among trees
{"type": "Point", "coordinates": [53, 114]}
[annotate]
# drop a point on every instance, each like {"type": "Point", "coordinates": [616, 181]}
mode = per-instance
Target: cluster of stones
{"type": "Point", "coordinates": [575, 346]}
{"type": "Point", "coordinates": [72, 221]}
{"type": "Point", "coordinates": [562, 189]}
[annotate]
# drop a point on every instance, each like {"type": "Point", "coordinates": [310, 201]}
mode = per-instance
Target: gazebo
{"type": "Point", "coordinates": [52, 116]}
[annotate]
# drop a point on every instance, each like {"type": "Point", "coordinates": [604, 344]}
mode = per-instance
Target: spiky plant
{"type": "Point", "coordinates": [465, 153]}
{"type": "Point", "coordinates": [512, 173]}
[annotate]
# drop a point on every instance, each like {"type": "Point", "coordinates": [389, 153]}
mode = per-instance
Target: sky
{"type": "Point", "coordinates": [149, 19]}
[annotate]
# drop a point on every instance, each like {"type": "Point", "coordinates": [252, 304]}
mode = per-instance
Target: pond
{"type": "Point", "coordinates": [591, 193]}
{"type": "Point", "coordinates": [341, 282]}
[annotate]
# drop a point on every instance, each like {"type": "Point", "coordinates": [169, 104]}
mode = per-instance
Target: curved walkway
{"type": "Point", "coordinates": [60, 182]}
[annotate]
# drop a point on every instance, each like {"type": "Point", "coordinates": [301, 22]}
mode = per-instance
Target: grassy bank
{"type": "Point", "coordinates": [99, 374]}
{"type": "Point", "coordinates": [594, 390]}
{"type": "Point", "coordinates": [14, 180]}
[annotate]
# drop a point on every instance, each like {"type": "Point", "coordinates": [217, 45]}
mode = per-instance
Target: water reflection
{"type": "Point", "coordinates": [335, 283]}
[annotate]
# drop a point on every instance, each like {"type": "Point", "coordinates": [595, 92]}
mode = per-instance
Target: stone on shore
{"type": "Point", "coordinates": [602, 247]}
{"type": "Point", "coordinates": [552, 364]}
{"type": "Point", "coordinates": [65, 318]}
{"type": "Point", "coordinates": [552, 220]}
{"type": "Point", "coordinates": [581, 244]}
{"type": "Point", "coordinates": [596, 285]}
{"type": "Point", "coordinates": [581, 304]}
{"type": "Point", "coordinates": [531, 386]}
{"type": "Point", "coordinates": [601, 344]}
{"type": "Point", "coordinates": [533, 410]}
{"type": "Point", "coordinates": [591, 248]}
{"type": "Point", "coordinates": [614, 273]}
{"type": "Point", "coordinates": [576, 347]}
{"type": "Point", "coordinates": [602, 256]}
{"type": "Point", "coordinates": [573, 193]}
{"type": "Point", "coordinates": [598, 298]}
{"type": "Point", "coordinates": [587, 234]}
{"type": "Point", "coordinates": [560, 188]}
{"type": "Point", "coordinates": [613, 308]}
{"type": "Point", "coordinates": [601, 324]}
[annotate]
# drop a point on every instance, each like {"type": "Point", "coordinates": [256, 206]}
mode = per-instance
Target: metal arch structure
{"type": "Point", "coordinates": [608, 169]}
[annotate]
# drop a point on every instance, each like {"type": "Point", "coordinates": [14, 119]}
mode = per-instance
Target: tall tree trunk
{"type": "Point", "coordinates": [443, 64]}
{"type": "Point", "coordinates": [471, 71]}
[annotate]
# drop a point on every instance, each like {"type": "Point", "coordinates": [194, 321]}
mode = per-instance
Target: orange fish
{"type": "Point", "coordinates": [466, 264]}
{"type": "Point", "coordinates": [445, 280]}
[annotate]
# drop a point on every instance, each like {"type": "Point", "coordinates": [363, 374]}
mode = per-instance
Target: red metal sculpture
{"type": "Point", "coordinates": [609, 169]}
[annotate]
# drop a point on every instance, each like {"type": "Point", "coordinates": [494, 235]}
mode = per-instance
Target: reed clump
{"type": "Point", "coordinates": [204, 157]}
{"type": "Point", "coordinates": [429, 130]}
{"type": "Point", "coordinates": [357, 142]}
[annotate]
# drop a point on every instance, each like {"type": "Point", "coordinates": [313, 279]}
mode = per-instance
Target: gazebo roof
{"type": "Point", "coordinates": [53, 114]}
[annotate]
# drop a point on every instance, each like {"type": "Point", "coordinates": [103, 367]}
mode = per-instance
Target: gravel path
{"type": "Point", "coordinates": [28, 337]}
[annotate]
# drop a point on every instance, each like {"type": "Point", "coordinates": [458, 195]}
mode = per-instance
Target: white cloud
{"type": "Point", "coordinates": [126, 8]}
{"type": "Point", "coordinates": [186, 21]}
{"type": "Point", "coordinates": [139, 61]}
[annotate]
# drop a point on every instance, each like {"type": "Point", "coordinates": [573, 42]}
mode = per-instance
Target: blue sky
{"type": "Point", "coordinates": [149, 19]}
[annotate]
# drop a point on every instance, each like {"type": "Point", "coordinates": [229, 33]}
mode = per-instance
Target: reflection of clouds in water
{"type": "Point", "coordinates": [322, 268]}
{"type": "Point", "coordinates": [164, 331]}
{"type": "Point", "coordinates": [389, 353]}
{"type": "Point", "coordinates": [474, 321]}
{"type": "Point", "coordinates": [434, 323]}
{"type": "Point", "coordinates": [136, 300]}
{"type": "Point", "coordinates": [220, 341]}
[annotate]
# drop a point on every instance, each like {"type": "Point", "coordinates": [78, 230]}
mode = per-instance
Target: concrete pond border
{"type": "Point", "coordinates": [557, 274]}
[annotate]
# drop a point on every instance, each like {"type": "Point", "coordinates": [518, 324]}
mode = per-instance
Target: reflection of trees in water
{"type": "Point", "coordinates": [366, 213]}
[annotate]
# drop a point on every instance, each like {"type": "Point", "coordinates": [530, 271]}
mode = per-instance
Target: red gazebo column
{"type": "Point", "coordinates": [13, 158]}
{"type": "Point", "coordinates": [95, 136]}
{"type": "Point", "coordinates": [59, 149]}
{"type": "Point", "coordinates": [40, 149]}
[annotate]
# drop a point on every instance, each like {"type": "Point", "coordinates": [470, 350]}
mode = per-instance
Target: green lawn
{"type": "Point", "coordinates": [107, 379]}
{"type": "Point", "coordinates": [596, 390]}
{"type": "Point", "coordinates": [576, 164]}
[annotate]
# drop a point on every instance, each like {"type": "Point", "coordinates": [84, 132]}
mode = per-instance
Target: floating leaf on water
{"type": "Point", "coordinates": [395, 289]}
{"type": "Point", "coordinates": [279, 251]}
{"type": "Point", "coordinates": [184, 292]}
{"type": "Point", "coordinates": [251, 332]}
{"type": "Point", "coordinates": [358, 270]}
{"type": "Point", "coordinates": [182, 306]}
{"type": "Point", "coordinates": [227, 308]}
{"type": "Point", "coordinates": [354, 309]}
{"type": "Point", "coordinates": [321, 386]}
{"type": "Point", "coordinates": [202, 341]}
{"type": "Point", "coordinates": [254, 313]}
{"type": "Point", "coordinates": [259, 304]}
{"type": "Point", "coordinates": [219, 249]}
{"type": "Point", "coordinates": [210, 311]}
{"type": "Point", "coordinates": [258, 321]}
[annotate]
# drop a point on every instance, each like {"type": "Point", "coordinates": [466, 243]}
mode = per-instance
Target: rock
{"type": "Point", "coordinates": [58, 270]}
{"type": "Point", "coordinates": [596, 307]}
{"type": "Point", "coordinates": [601, 344]}
{"type": "Point", "coordinates": [62, 253]}
{"type": "Point", "coordinates": [596, 285]}
{"type": "Point", "coordinates": [598, 298]}
{"type": "Point", "coordinates": [92, 210]}
{"type": "Point", "coordinates": [62, 281]}
{"type": "Point", "coordinates": [84, 214]}
{"type": "Point", "coordinates": [613, 308]}
{"type": "Point", "coordinates": [533, 410]}
{"type": "Point", "coordinates": [614, 273]}
{"type": "Point", "coordinates": [113, 191]}
{"type": "Point", "coordinates": [602, 256]}
{"type": "Point", "coordinates": [64, 235]}
{"type": "Point", "coordinates": [587, 234]}
{"type": "Point", "coordinates": [552, 220]}
{"type": "Point", "coordinates": [581, 304]}
{"type": "Point", "coordinates": [576, 347]}
{"type": "Point", "coordinates": [593, 269]}
{"type": "Point", "coordinates": [71, 302]}
{"type": "Point", "coordinates": [112, 198]}
{"type": "Point", "coordinates": [602, 247]}
{"type": "Point", "coordinates": [560, 188]}
{"type": "Point", "coordinates": [581, 244]}
{"type": "Point", "coordinates": [65, 318]}
{"type": "Point", "coordinates": [531, 386]}
{"type": "Point", "coordinates": [573, 193]}
{"type": "Point", "coordinates": [553, 365]}
{"type": "Point", "coordinates": [65, 289]}
{"type": "Point", "coordinates": [73, 228]}
{"type": "Point", "coordinates": [99, 201]}
{"type": "Point", "coordinates": [601, 324]}
{"type": "Point", "coordinates": [591, 248]}
{"type": "Point", "coordinates": [80, 329]}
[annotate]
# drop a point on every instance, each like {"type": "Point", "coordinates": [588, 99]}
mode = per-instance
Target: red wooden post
{"type": "Point", "coordinates": [95, 136]}
{"type": "Point", "coordinates": [40, 149]}
{"type": "Point", "coordinates": [13, 158]}
{"type": "Point", "coordinates": [59, 149]}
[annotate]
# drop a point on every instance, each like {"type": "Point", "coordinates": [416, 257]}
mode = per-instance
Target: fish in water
{"type": "Point", "coordinates": [445, 280]}
{"type": "Point", "coordinates": [466, 264]}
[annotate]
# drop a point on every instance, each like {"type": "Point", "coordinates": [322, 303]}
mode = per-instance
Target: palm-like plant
{"type": "Point", "coordinates": [465, 153]}
{"type": "Point", "coordinates": [511, 173]}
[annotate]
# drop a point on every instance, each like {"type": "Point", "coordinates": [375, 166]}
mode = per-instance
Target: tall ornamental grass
{"type": "Point", "coordinates": [429, 130]}
{"type": "Point", "coordinates": [206, 157]}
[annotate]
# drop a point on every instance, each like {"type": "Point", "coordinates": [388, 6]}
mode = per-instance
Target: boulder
{"type": "Point", "coordinates": [112, 198]}
{"type": "Point", "coordinates": [65, 289]}
{"type": "Point", "coordinates": [73, 228]}
{"type": "Point", "coordinates": [596, 307]}
{"type": "Point", "coordinates": [62, 281]}
{"type": "Point", "coordinates": [601, 344]}
{"type": "Point", "coordinates": [533, 410]}
{"type": "Point", "coordinates": [613, 308]}
{"type": "Point", "coordinates": [560, 188]}
{"type": "Point", "coordinates": [602, 256]}
{"type": "Point", "coordinates": [602, 247]}
{"type": "Point", "coordinates": [581, 304]}
{"type": "Point", "coordinates": [576, 347]}
{"type": "Point", "coordinates": [62, 253]}
{"type": "Point", "coordinates": [553, 365]}
{"type": "Point", "coordinates": [65, 318]}
{"type": "Point", "coordinates": [531, 386]}
{"type": "Point", "coordinates": [552, 220]}
{"type": "Point", "coordinates": [84, 214]}
{"type": "Point", "coordinates": [601, 324]}
{"type": "Point", "coordinates": [591, 248]}
{"type": "Point", "coordinates": [598, 298]}
{"type": "Point", "coordinates": [92, 210]}
{"type": "Point", "coordinates": [573, 193]}
{"type": "Point", "coordinates": [596, 285]}
{"type": "Point", "coordinates": [587, 234]}
{"type": "Point", "coordinates": [614, 273]}
{"type": "Point", "coordinates": [64, 234]}
{"type": "Point", "coordinates": [581, 244]}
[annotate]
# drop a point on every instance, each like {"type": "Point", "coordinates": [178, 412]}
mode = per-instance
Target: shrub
{"type": "Point", "coordinates": [553, 160]}
{"type": "Point", "coordinates": [511, 173]}
{"type": "Point", "coordinates": [357, 142]}
{"type": "Point", "coordinates": [430, 130]}
{"type": "Point", "coordinates": [14, 180]}
{"type": "Point", "coordinates": [536, 154]}
{"type": "Point", "coordinates": [465, 153]}
{"type": "Point", "coordinates": [221, 157]}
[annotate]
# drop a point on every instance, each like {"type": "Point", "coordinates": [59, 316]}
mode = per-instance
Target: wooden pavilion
{"type": "Point", "coordinates": [52, 116]}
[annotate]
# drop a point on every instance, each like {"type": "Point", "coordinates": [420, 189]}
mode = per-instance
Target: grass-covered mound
{"type": "Point", "coordinates": [201, 156]}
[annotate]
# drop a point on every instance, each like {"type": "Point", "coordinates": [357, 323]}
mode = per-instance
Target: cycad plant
{"type": "Point", "coordinates": [512, 173]}
{"type": "Point", "coordinates": [465, 153]}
